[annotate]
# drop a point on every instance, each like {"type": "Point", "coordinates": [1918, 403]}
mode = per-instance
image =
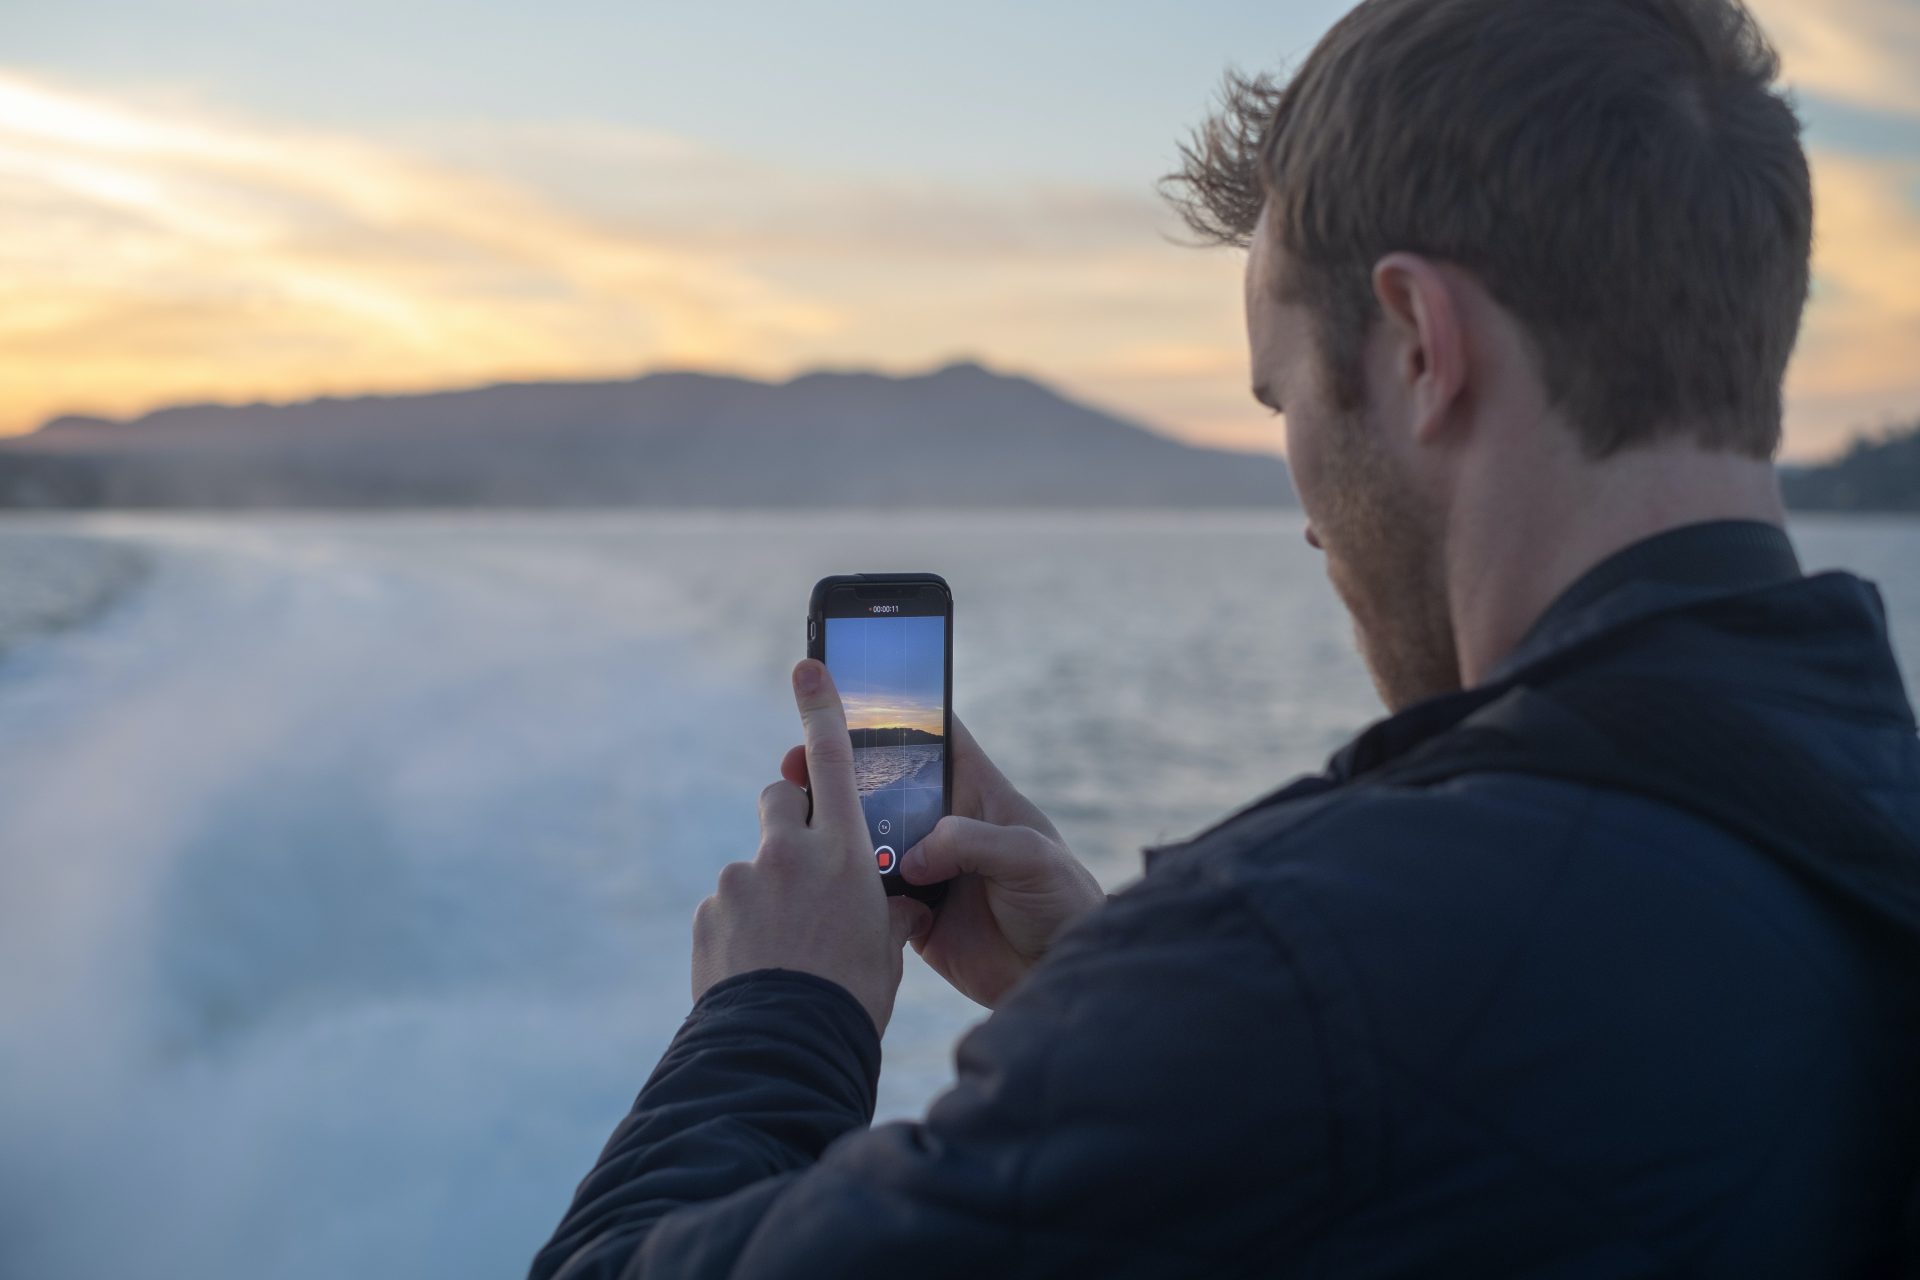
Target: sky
{"type": "Point", "coordinates": [241, 200]}
{"type": "Point", "coordinates": [890, 671]}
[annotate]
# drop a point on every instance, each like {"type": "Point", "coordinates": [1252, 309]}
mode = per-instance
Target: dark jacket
{"type": "Point", "coordinates": [1503, 1024]}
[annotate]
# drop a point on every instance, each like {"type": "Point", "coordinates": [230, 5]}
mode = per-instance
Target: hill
{"type": "Point", "coordinates": [959, 436]}
{"type": "Point", "coordinates": [894, 736]}
{"type": "Point", "coordinates": [1873, 475]}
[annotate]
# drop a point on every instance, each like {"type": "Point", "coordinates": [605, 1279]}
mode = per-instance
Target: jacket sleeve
{"type": "Point", "coordinates": [1155, 1095]}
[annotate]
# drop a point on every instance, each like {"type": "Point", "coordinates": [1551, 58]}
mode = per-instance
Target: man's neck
{"type": "Point", "coordinates": [1511, 552]}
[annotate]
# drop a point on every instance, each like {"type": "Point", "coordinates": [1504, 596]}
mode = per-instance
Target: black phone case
{"type": "Point", "coordinates": [931, 894]}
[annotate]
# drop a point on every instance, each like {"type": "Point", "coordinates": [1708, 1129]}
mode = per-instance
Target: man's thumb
{"type": "Point", "coordinates": [958, 844]}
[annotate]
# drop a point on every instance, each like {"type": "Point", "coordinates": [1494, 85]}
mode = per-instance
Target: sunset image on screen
{"type": "Point", "coordinates": [891, 672]}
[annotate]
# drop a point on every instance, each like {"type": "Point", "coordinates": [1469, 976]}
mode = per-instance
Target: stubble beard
{"type": "Point", "coordinates": [1383, 544]}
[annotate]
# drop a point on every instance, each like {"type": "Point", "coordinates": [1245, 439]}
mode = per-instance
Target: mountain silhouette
{"type": "Point", "coordinates": [894, 736]}
{"type": "Point", "coordinates": [1876, 473]}
{"type": "Point", "coordinates": [961, 435]}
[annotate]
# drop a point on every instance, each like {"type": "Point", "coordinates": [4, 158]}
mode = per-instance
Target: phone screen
{"type": "Point", "coordinates": [889, 661]}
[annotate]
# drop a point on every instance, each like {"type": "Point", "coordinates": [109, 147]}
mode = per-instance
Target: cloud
{"type": "Point", "coordinates": [766, 208]}
{"type": "Point", "coordinates": [1862, 52]}
{"type": "Point", "coordinates": [165, 251]}
{"type": "Point", "coordinates": [146, 256]}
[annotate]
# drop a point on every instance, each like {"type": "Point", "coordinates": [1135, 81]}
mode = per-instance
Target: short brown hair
{"type": "Point", "coordinates": [1621, 174]}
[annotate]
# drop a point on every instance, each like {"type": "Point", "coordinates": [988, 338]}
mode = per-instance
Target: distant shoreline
{"type": "Point", "coordinates": [53, 582]}
{"type": "Point", "coordinates": [894, 736]}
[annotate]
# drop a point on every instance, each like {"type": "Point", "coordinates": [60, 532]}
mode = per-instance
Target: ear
{"type": "Point", "coordinates": [1426, 341]}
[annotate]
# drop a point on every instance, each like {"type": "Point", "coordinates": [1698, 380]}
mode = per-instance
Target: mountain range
{"type": "Point", "coordinates": [961, 435]}
{"type": "Point", "coordinates": [894, 736]}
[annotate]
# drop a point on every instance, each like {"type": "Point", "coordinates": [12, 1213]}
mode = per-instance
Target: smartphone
{"type": "Point", "coordinates": [888, 640]}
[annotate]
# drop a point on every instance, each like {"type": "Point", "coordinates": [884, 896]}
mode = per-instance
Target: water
{"type": "Point", "coordinates": [346, 864]}
{"type": "Point", "coordinates": [877, 768]}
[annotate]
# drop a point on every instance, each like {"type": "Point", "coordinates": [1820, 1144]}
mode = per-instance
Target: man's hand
{"type": "Point", "coordinates": [1015, 882]}
{"type": "Point", "coordinates": [811, 898]}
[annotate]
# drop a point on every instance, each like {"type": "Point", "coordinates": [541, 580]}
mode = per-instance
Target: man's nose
{"type": "Point", "coordinates": [1313, 541]}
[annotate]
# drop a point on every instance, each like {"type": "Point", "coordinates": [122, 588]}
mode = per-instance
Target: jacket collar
{"type": "Point", "coordinates": [1691, 562]}
{"type": "Point", "coordinates": [1663, 573]}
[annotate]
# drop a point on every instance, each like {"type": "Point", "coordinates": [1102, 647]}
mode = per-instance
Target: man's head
{"type": "Point", "coordinates": [1494, 239]}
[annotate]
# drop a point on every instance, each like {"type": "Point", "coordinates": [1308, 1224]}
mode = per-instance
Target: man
{"type": "Point", "coordinates": [1524, 276]}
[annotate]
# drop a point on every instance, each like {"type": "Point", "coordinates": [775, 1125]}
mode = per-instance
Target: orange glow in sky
{"type": "Point", "coordinates": [160, 245]}
{"type": "Point", "coordinates": [872, 712]}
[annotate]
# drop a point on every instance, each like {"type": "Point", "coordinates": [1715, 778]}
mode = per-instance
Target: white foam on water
{"type": "Point", "coordinates": [346, 891]}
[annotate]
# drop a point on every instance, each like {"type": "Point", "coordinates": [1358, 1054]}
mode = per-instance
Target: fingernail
{"type": "Point", "coordinates": [806, 676]}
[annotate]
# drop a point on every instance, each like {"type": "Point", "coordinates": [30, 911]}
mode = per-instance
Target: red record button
{"type": "Point", "coordinates": [884, 855]}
